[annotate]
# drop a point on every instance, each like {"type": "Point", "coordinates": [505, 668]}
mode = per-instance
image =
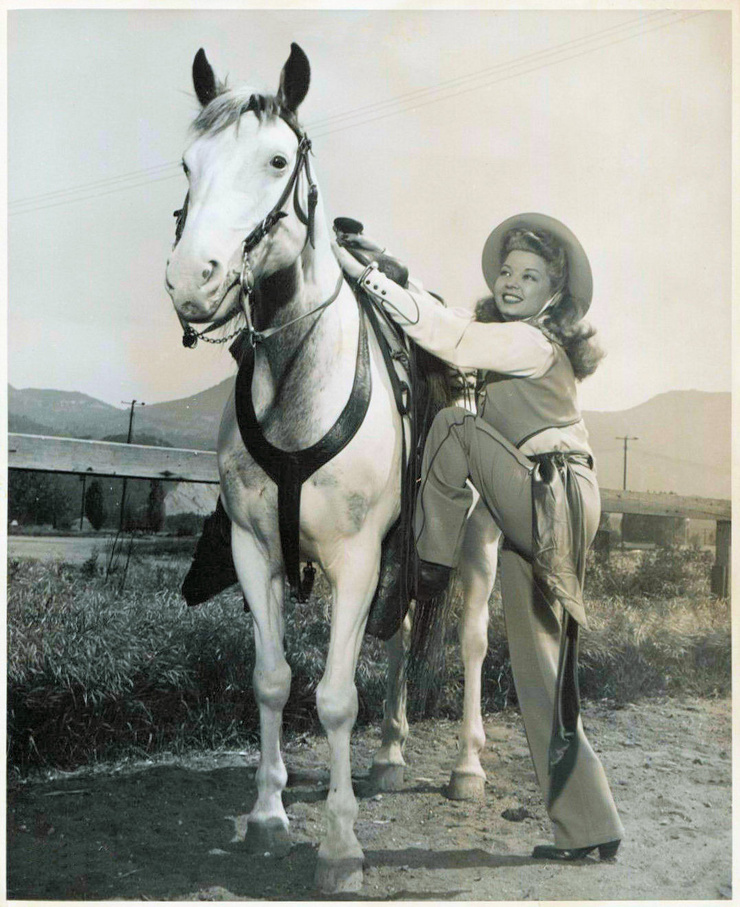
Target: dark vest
{"type": "Point", "coordinates": [520, 408]}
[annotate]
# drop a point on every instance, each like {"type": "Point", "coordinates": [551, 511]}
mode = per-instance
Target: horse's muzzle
{"type": "Point", "coordinates": [193, 305]}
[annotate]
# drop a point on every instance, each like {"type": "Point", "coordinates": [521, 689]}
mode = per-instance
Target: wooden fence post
{"type": "Point", "coordinates": [721, 568]}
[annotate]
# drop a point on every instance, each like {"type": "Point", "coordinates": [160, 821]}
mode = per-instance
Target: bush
{"type": "Point", "coordinates": [665, 571]}
{"type": "Point", "coordinates": [669, 571]}
{"type": "Point", "coordinates": [95, 673]}
{"type": "Point", "coordinates": [184, 524]}
{"type": "Point", "coordinates": [90, 567]}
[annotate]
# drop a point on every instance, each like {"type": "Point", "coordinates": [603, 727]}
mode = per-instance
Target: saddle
{"type": "Point", "coordinates": [421, 384]}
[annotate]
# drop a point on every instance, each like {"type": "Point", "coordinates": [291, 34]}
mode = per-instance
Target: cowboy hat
{"type": "Point", "coordinates": [580, 281]}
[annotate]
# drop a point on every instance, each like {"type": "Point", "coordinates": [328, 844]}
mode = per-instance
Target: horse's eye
{"type": "Point", "coordinates": [279, 162]}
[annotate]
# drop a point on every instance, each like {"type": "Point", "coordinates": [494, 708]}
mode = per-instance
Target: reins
{"type": "Point", "coordinates": [256, 337]}
{"type": "Point", "coordinates": [245, 278]}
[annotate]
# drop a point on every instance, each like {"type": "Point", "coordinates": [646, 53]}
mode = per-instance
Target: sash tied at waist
{"type": "Point", "coordinates": [559, 543]}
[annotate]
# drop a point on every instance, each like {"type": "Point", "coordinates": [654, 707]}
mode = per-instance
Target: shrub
{"type": "Point", "coordinates": [670, 570]}
{"type": "Point", "coordinates": [94, 672]}
{"type": "Point", "coordinates": [183, 524]}
{"type": "Point", "coordinates": [664, 571]}
{"type": "Point", "coordinates": [90, 566]}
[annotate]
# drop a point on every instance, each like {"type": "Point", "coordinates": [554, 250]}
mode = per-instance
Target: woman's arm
{"type": "Point", "coordinates": [513, 348]}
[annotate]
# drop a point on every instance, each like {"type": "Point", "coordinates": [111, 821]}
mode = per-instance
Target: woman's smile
{"type": "Point", "coordinates": [523, 286]}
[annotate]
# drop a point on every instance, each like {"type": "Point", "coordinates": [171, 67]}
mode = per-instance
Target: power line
{"type": "Point", "coordinates": [95, 195]}
{"type": "Point", "coordinates": [84, 187]}
{"type": "Point", "coordinates": [373, 107]}
{"type": "Point", "coordinates": [435, 89]}
{"type": "Point", "coordinates": [483, 73]}
{"type": "Point", "coordinates": [417, 98]}
{"type": "Point", "coordinates": [502, 78]}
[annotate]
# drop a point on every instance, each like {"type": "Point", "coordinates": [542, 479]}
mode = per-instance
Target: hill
{"type": "Point", "coordinates": [61, 413]}
{"type": "Point", "coordinates": [683, 444]}
{"type": "Point", "coordinates": [191, 422]}
{"type": "Point", "coordinates": [683, 437]}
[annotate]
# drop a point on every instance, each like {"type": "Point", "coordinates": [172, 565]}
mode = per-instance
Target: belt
{"type": "Point", "coordinates": [560, 457]}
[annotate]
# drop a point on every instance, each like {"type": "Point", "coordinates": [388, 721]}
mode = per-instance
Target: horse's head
{"type": "Point", "coordinates": [246, 161]}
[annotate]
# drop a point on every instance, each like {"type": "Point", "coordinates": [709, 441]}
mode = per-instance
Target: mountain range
{"type": "Point", "coordinates": [679, 440]}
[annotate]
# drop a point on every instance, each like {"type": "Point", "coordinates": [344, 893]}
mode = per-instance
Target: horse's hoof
{"type": "Point", "coordinates": [338, 876]}
{"type": "Point", "coordinates": [465, 787]}
{"type": "Point", "coordinates": [386, 777]}
{"type": "Point", "coordinates": [271, 837]}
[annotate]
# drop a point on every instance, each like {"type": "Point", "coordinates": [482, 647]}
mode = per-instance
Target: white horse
{"type": "Point", "coordinates": [245, 246]}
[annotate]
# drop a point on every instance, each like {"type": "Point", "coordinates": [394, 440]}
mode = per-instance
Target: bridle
{"type": "Point", "coordinates": [245, 277]}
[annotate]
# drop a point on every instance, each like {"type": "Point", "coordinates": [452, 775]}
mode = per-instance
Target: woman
{"type": "Point", "coordinates": [527, 454]}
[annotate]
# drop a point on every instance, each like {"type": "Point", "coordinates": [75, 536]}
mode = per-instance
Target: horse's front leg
{"type": "Point", "coordinates": [478, 573]}
{"type": "Point", "coordinates": [267, 825]}
{"type": "Point", "coordinates": [353, 575]}
{"type": "Point", "coordinates": [388, 763]}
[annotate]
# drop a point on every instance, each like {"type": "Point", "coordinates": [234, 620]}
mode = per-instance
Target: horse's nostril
{"type": "Point", "coordinates": [207, 273]}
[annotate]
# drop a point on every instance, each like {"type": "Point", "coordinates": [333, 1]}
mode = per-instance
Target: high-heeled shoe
{"type": "Point", "coordinates": [607, 851]}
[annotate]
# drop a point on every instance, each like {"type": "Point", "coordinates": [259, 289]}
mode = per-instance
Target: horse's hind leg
{"type": "Point", "coordinates": [267, 825]}
{"type": "Point", "coordinates": [478, 573]}
{"type": "Point", "coordinates": [388, 764]}
{"type": "Point", "coordinates": [353, 581]}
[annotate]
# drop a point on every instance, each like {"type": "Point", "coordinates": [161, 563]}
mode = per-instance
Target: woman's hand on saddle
{"type": "Point", "coordinates": [365, 252]}
{"type": "Point", "coordinates": [352, 268]}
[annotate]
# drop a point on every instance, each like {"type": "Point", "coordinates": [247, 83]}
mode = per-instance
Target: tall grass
{"type": "Point", "coordinates": [97, 673]}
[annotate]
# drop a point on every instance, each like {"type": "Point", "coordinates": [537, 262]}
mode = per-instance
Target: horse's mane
{"type": "Point", "coordinates": [230, 105]}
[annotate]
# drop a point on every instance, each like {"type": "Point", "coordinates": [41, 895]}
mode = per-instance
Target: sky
{"type": "Point", "coordinates": [429, 126]}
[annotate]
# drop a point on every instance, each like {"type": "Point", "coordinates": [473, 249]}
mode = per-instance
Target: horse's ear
{"type": "Point", "coordinates": [204, 80]}
{"type": "Point", "coordinates": [294, 79]}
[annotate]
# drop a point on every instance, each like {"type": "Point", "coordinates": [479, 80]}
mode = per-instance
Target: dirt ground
{"type": "Point", "coordinates": [173, 829]}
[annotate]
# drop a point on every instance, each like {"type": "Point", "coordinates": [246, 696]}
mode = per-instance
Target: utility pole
{"type": "Point", "coordinates": [626, 439]}
{"type": "Point", "coordinates": [132, 404]}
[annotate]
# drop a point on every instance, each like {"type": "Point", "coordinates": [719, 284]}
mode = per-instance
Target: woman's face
{"type": "Point", "coordinates": [522, 287]}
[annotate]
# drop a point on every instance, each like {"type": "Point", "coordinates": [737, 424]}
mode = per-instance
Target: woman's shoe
{"type": "Point", "coordinates": [607, 851]}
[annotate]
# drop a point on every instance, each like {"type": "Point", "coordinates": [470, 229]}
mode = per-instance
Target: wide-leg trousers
{"type": "Point", "coordinates": [460, 445]}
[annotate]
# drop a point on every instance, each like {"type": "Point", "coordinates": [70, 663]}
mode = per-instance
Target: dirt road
{"type": "Point", "coordinates": [173, 830]}
{"type": "Point", "coordinates": [70, 549]}
{"type": "Point", "coordinates": [76, 549]}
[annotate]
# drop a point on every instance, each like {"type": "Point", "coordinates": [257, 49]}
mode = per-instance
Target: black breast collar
{"type": "Point", "coordinates": [290, 469]}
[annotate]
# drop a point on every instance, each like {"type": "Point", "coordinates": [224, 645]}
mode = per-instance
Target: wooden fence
{"type": "Point", "coordinates": [135, 461]}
